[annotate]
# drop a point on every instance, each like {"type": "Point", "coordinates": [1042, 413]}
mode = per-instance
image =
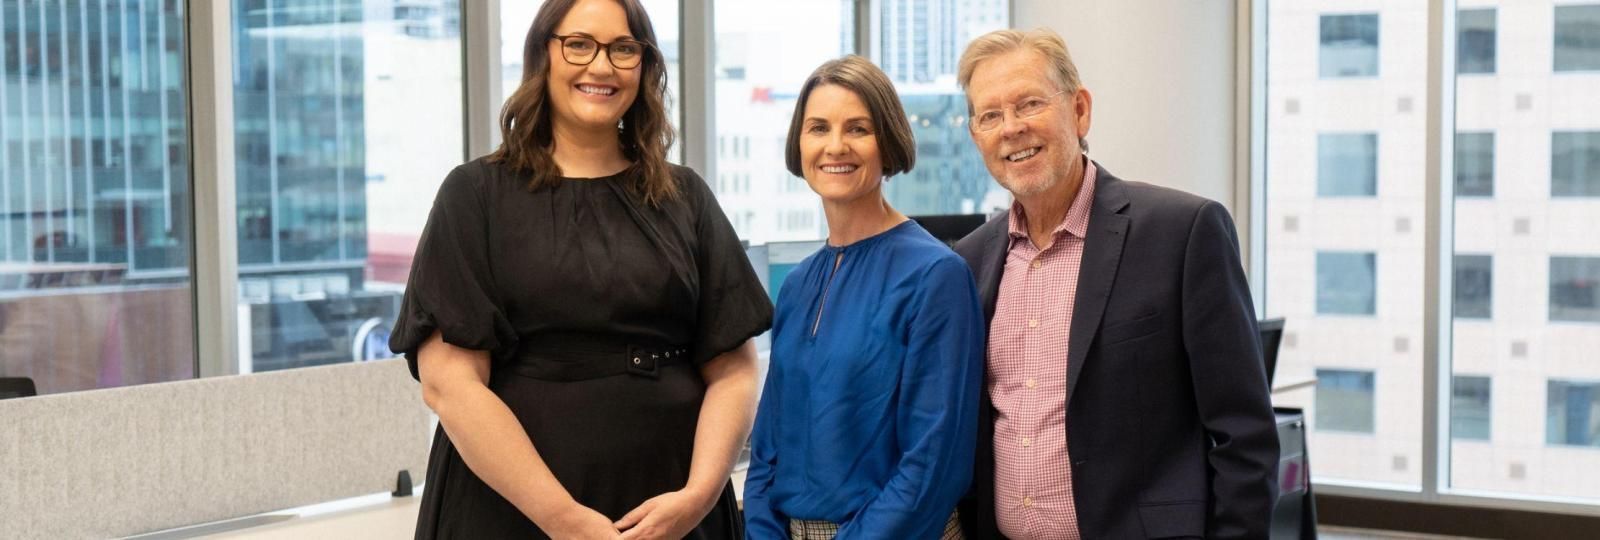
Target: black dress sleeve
{"type": "Point", "coordinates": [451, 287]}
{"type": "Point", "coordinates": [732, 305]}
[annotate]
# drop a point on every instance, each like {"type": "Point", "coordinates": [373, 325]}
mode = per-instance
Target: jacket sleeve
{"type": "Point", "coordinates": [1230, 384]}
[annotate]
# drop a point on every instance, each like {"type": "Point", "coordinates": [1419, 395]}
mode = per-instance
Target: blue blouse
{"type": "Point", "coordinates": [869, 414]}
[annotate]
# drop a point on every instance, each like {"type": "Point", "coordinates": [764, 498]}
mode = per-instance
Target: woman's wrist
{"type": "Point", "coordinates": [705, 494]}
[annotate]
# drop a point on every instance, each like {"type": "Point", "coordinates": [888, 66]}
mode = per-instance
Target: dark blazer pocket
{"type": "Point", "coordinates": [1121, 331]}
{"type": "Point", "coordinates": [1174, 519]}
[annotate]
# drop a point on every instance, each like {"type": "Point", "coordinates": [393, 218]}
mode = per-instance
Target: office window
{"type": "Point", "coordinates": [1504, 336]}
{"type": "Point", "coordinates": [1346, 283]}
{"type": "Point", "coordinates": [346, 119]}
{"type": "Point", "coordinates": [1575, 164]}
{"type": "Point", "coordinates": [765, 49]}
{"type": "Point", "coordinates": [918, 46]}
{"type": "Point", "coordinates": [1572, 417]}
{"type": "Point", "coordinates": [95, 221]}
{"type": "Point", "coordinates": [1349, 45]}
{"type": "Point", "coordinates": [1474, 284]}
{"type": "Point", "coordinates": [1330, 114]}
{"type": "Point", "coordinates": [1475, 164]}
{"type": "Point", "coordinates": [1475, 41]}
{"type": "Point", "coordinates": [1575, 289]}
{"type": "Point", "coordinates": [1577, 38]}
{"type": "Point", "coordinates": [1469, 408]}
{"type": "Point", "coordinates": [1347, 164]}
{"type": "Point", "coordinates": [1344, 400]}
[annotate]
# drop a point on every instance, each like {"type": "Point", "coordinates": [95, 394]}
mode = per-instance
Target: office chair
{"type": "Point", "coordinates": [17, 387]}
{"type": "Point", "coordinates": [1271, 337]}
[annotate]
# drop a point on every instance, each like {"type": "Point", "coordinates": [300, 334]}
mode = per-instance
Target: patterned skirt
{"type": "Point", "coordinates": [801, 529]}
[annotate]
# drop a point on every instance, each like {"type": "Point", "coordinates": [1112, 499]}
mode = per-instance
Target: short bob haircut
{"type": "Point", "coordinates": [525, 123]}
{"type": "Point", "coordinates": [896, 145]}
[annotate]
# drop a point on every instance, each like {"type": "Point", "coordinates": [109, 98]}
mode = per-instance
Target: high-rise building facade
{"type": "Point", "coordinates": [317, 88]}
{"type": "Point", "coordinates": [764, 52]}
{"type": "Point", "coordinates": [95, 229]}
{"type": "Point", "coordinates": [1346, 238]}
{"type": "Point", "coordinates": [95, 205]}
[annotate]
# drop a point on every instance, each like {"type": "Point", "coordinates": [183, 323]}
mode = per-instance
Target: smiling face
{"type": "Point", "coordinates": [838, 147]}
{"type": "Point", "coordinates": [1028, 156]}
{"type": "Point", "coordinates": [594, 96]}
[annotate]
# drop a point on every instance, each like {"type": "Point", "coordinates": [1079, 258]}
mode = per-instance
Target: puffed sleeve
{"type": "Point", "coordinates": [732, 305]}
{"type": "Point", "coordinates": [451, 288]}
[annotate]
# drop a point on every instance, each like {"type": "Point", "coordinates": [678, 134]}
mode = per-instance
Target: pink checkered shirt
{"type": "Point", "coordinates": [1028, 375]}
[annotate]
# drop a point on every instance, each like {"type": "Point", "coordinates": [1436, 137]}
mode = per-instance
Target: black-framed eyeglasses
{"type": "Point", "coordinates": [1027, 108]}
{"type": "Point", "coordinates": [580, 50]}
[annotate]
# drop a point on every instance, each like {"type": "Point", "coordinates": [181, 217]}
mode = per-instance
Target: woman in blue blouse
{"type": "Point", "coordinates": [868, 419]}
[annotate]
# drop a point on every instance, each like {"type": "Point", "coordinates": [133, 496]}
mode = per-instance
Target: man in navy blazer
{"type": "Point", "coordinates": [1125, 395]}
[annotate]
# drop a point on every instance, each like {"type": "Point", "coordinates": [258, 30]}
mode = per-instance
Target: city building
{"type": "Point", "coordinates": [1345, 242]}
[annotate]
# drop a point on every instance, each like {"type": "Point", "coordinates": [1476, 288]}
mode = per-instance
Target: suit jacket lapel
{"type": "Point", "coordinates": [1102, 252]}
{"type": "Point", "coordinates": [995, 247]}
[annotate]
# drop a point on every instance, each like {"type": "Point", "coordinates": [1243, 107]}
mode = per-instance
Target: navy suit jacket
{"type": "Point", "coordinates": [1169, 419]}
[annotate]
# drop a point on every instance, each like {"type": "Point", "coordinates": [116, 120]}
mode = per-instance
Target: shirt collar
{"type": "Point", "coordinates": [1076, 221]}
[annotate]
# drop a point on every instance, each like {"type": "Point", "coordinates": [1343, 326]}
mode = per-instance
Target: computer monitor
{"type": "Point", "coordinates": [17, 387]}
{"type": "Point", "coordinates": [1271, 337]}
{"type": "Point", "coordinates": [782, 257]}
{"type": "Point", "coordinates": [949, 228]}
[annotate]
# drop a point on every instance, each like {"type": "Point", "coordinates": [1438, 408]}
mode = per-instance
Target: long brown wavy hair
{"type": "Point", "coordinates": [525, 130]}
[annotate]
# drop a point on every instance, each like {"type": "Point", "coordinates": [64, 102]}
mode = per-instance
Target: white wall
{"type": "Point", "coordinates": [1162, 74]}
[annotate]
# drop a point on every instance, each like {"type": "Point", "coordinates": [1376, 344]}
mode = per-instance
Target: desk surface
{"type": "Point", "coordinates": [1293, 383]}
{"type": "Point", "coordinates": [394, 518]}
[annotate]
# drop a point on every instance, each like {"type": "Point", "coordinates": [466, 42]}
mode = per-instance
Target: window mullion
{"type": "Point", "coordinates": [215, 260]}
{"type": "Point", "coordinates": [1439, 246]}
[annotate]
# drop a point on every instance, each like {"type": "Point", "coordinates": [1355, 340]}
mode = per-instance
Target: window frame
{"type": "Point", "coordinates": [1439, 247]}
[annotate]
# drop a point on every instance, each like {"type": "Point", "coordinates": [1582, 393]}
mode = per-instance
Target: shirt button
{"type": "Point", "coordinates": [1033, 323]}
{"type": "Point", "coordinates": [1032, 383]}
{"type": "Point", "coordinates": [1026, 442]}
{"type": "Point", "coordinates": [1037, 264]}
{"type": "Point", "coordinates": [1027, 501]}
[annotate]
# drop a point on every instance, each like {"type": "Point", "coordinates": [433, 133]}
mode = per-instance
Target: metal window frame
{"type": "Point", "coordinates": [214, 264]}
{"type": "Point", "coordinates": [1439, 243]}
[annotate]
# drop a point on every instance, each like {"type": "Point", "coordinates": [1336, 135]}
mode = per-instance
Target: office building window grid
{"type": "Point", "coordinates": [1474, 286]}
{"type": "Point", "coordinates": [1347, 283]}
{"type": "Point", "coordinates": [1349, 45]}
{"type": "Point", "coordinates": [1575, 289]}
{"type": "Point", "coordinates": [1573, 414]}
{"type": "Point", "coordinates": [1577, 37]}
{"type": "Point", "coordinates": [1475, 41]}
{"type": "Point", "coordinates": [1575, 164]}
{"type": "Point", "coordinates": [1475, 164]}
{"type": "Point", "coordinates": [1469, 408]}
{"type": "Point", "coordinates": [1525, 315]}
{"type": "Point", "coordinates": [1347, 164]}
{"type": "Point", "coordinates": [95, 220]}
{"type": "Point", "coordinates": [1345, 400]}
{"type": "Point", "coordinates": [337, 108]}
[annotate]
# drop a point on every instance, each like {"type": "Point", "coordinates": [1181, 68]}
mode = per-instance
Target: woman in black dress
{"type": "Point", "coordinates": [579, 310]}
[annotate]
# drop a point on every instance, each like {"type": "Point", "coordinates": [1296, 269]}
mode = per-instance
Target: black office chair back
{"type": "Point", "coordinates": [949, 228]}
{"type": "Point", "coordinates": [1271, 337]}
{"type": "Point", "coordinates": [17, 387]}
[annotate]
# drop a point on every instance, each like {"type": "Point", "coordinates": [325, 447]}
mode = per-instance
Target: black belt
{"type": "Point", "coordinates": [580, 363]}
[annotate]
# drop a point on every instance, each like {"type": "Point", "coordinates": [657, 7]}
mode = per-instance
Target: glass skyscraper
{"type": "Point", "coordinates": [95, 187]}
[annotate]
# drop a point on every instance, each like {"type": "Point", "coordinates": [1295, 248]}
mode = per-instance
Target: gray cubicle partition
{"type": "Point", "coordinates": [124, 461]}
